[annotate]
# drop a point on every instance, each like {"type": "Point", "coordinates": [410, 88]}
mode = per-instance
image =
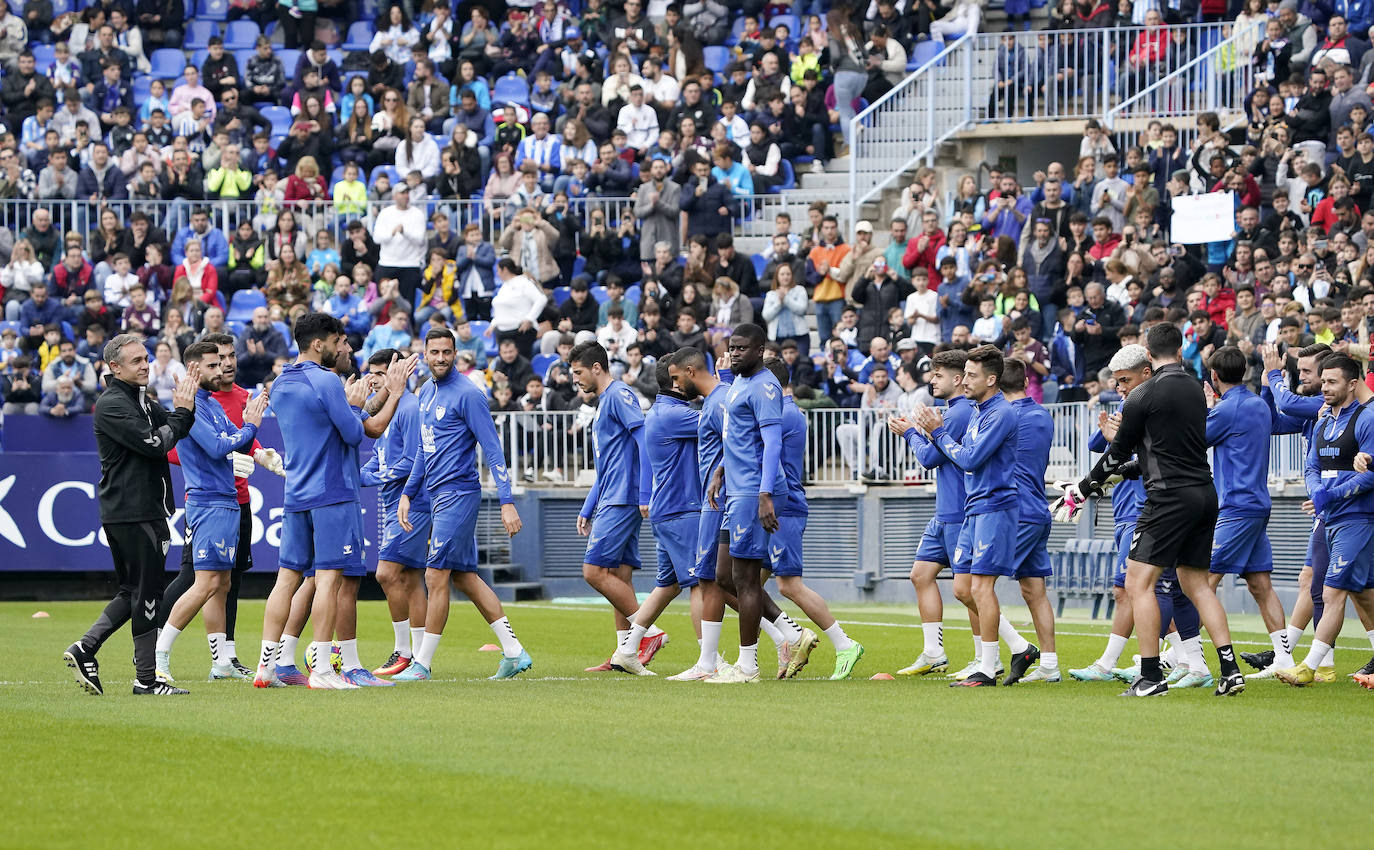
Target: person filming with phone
{"type": "Point", "coordinates": [1097, 328]}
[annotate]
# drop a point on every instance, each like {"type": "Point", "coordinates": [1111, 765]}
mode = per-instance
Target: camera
{"type": "Point", "coordinates": [1088, 317]}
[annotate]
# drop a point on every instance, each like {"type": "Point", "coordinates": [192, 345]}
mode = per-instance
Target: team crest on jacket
{"type": "Point", "coordinates": [439, 412]}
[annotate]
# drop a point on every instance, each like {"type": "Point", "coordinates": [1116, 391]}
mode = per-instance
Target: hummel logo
{"type": "Point", "coordinates": [201, 554]}
{"type": "Point", "coordinates": [1166, 586]}
{"type": "Point", "coordinates": [221, 547]}
{"type": "Point", "coordinates": [740, 530]}
{"type": "Point", "coordinates": [8, 528]}
{"type": "Point", "coordinates": [348, 549]}
{"type": "Point", "coordinates": [770, 391]}
{"type": "Point", "coordinates": [150, 608]}
{"type": "Point", "coordinates": [777, 552]}
{"type": "Point", "coordinates": [692, 571]}
{"type": "Point", "coordinates": [702, 552]}
{"type": "Point", "coordinates": [958, 554]}
{"type": "Point", "coordinates": [500, 474]}
{"type": "Point", "coordinates": [979, 549]}
{"type": "Point", "coordinates": [592, 541]}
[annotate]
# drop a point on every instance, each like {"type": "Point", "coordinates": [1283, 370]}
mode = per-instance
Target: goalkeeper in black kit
{"type": "Point", "coordinates": [1164, 422]}
{"type": "Point", "coordinates": [133, 434]}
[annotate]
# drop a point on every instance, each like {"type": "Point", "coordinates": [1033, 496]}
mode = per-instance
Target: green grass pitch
{"type": "Point", "coordinates": [562, 758]}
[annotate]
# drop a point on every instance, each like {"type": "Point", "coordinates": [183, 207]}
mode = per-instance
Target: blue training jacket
{"type": "Point", "coordinates": [670, 439]}
{"type": "Point", "coordinates": [794, 458]}
{"type": "Point", "coordinates": [987, 454]}
{"type": "Point", "coordinates": [454, 421]}
{"type": "Point", "coordinates": [393, 457]}
{"type": "Point", "coordinates": [321, 434]}
{"type": "Point", "coordinates": [1034, 437]}
{"type": "Point", "coordinates": [949, 479]}
{"type": "Point", "coordinates": [205, 463]}
{"type": "Point", "coordinates": [1238, 430]}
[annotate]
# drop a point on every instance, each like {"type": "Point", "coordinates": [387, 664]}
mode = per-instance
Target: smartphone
{"type": "Point", "coordinates": [1177, 250]}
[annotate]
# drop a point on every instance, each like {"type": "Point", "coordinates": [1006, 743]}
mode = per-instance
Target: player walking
{"type": "Point", "coordinates": [941, 537]}
{"type": "Point", "coordinates": [670, 438]}
{"type": "Point", "coordinates": [1034, 437]}
{"type": "Point", "coordinates": [212, 513]}
{"type": "Point", "coordinates": [1165, 421]}
{"type": "Point", "coordinates": [133, 434]}
{"type": "Point", "coordinates": [454, 420]}
{"type": "Point", "coordinates": [402, 555]}
{"type": "Point", "coordinates": [615, 508]}
{"type": "Point", "coordinates": [785, 549]}
{"type": "Point", "coordinates": [1344, 498]}
{"type": "Point", "coordinates": [754, 486]}
{"type": "Point", "coordinates": [988, 535]}
{"type": "Point", "coordinates": [1238, 430]}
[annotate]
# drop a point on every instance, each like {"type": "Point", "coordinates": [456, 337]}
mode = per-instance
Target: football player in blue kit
{"type": "Point", "coordinates": [618, 502]}
{"type": "Point", "coordinates": [454, 420]}
{"type": "Point", "coordinates": [713, 563]}
{"type": "Point", "coordinates": [941, 537]}
{"type": "Point", "coordinates": [1238, 431]}
{"type": "Point", "coordinates": [1034, 437]}
{"type": "Point", "coordinates": [402, 555]}
{"type": "Point", "coordinates": [988, 535]}
{"type": "Point", "coordinates": [670, 437]}
{"type": "Point", "coordinates": [1296, 412]}
{"type": "Point", "coordinates": [754, 486]}
{"type": "Point", "coordinates": [212, 513]}
{"type": "Point", "coordinates": [785, 550]}
{"type": "Point", "coordinates": [1344, 498]}
{"type": "Point", "coordinates": [321, 421]}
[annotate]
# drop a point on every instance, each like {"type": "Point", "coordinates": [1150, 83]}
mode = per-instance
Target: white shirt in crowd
{"type": "Point", "coordinates": [403, 249]}
{"type": "Point", "coordinates": [640, 124]}
{"type": "Point", "coordinates": [928, 304]}
{"type": "Point", "coordinates": [517, 300]}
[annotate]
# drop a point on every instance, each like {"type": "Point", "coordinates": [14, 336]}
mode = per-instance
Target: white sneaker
{"type": "Point", "coordinates": [969, 670]}
{"type": "Point", "coordinates": [330, 681]}
{"type": "Point", "coordinates": [817, 167]}
{"type": "Point", "coordinates": [225, 671]}
{"type": "Point", "coordinates": [1268, 672]}
{"type": "Point", "coordinates": [162, 662]}
{"type": "Point", "coordinates": [732, 675]}
{"type": "Point", "coordinates": [267, 678]}
{"type": "Point", "coordinates": [692, 674]}
{"type": "Point", "coordinates": [1040, 674]}
{"type": "Point", "coordinates": [628, 662]}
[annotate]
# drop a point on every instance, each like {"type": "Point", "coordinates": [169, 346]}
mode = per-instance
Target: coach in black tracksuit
{"type": "Point", "coordinates": [133, 434]}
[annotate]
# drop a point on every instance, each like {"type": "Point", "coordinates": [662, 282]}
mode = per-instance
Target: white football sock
{"type": "Point", "coordinates": [1192, 655]}
{"type": "Point", "coordinates": [620, 635]}
{"type": "Point", "coordinates": [1330, 659]}
{"type": "Point", "coordinates": [1172, 656]}
{"type": "Point", "coordinates": [788, 626]}
{"type": "Point", "coordinates": [287, 656]}
{"type": "Point", "coordinates": [1294, 635]}
{"type": "Point", "coordinates": [1049, 661]}
{"type": "Point", "coordinates": [417, 640]}
{"type": "Point", "coordinates": [630, 643]}
{"type": "Point", "coordinates": [987, 665]}
{"type": "Point", "coordinates": [401, 628]}
{"type": "Point", "coordinates": [219, 653]}
{"type": "Point", "coordinates": [425, 657]}
{"type": "Point", "coordinates": [1370, 634]}
{"type": "Point", "coordinates": [837, 637]}
{"type": "Point", "coordinates": [510, 646]}
{"type": "Point", "coordinates": [166, 637]}
{"type": "Point", "coordinates": [348, 651]}
{"type": "Point", "coordinates": [1116, 644]}
{"type": "Point", "coordinates": [934, 635]}
{"type": "Point", "coordinates": [710, 642]}
{"type": "Point", "coordinates": [749, 659]}
{"type": "Point", "coordinates": [653, 631]}
{"type": "Point", "coordinates": [1316, 654]}
{"type": "Point", "coordinates": [1009, 635]}
{"type": "Point", "coordinates": [1283, 654]}
{"type": "Point", "coordinates": [268, 656]}
{"type": "Point", "coordinates": [231, 648]}
{"type": "Point", "coordinates": [977, 649]}
{"type": "Point", "coordinates": [772, 631]}
{"type": "Point", "coordinates": [317, 656]}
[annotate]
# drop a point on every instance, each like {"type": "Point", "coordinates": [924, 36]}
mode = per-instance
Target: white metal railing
{"type": "Point", "coordinates": [1218, 79]}
{"type": "Point", "coordinates": [1053, 75]}
{"type": "Point", "coordinates": [905, 125]}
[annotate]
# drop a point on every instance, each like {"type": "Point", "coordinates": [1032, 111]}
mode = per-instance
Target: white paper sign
{"type": "Point", "coordinates": [1203, 218]}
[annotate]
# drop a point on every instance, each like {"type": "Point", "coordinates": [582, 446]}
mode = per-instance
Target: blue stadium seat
{"type": "Point", "coordinates": [736, 30]}
{"type": "Point", "coordinates": [336, 175]}
{"type": "Point", "coordinates": [167, 62]}
{"type": "Point", "coordinates": [541, 363]}
{"type": "Point", "coordinates": [389, 170]}
{"type": "Point", "coordinates": [789, 177]}
{"type": "Point", "coordinates": [924, 52]}
{"type": "Point", "coordinates": [43, 55]}
{"type": "Point", "coordinates": [285, 331]}
{"type": "Point", "coordinates": [579, 265]}
{"type": "Point", "coordinates": [235, 327]}
{"type": "Point", "coordinates": [633, 294]}
{"type": "Point", "coordinates": [289, 60]}
{"type": "Point", "coordinates": [198, 57]}
{"type": "Point", "coordinates": [359, 35]}
{"type": "Point", "coordinates": [792, 21]}
{"type": "Point", "coordinates": [561, 294]}
{"type": "Point", "coordinates": [511, 89]}
{"type": "Point", "coordinates": [219, 300]}
{"type": "Point", "coordinates": [280, 117]}
{"type": "Point", "coordinates": [241, 34]}
{"type": "Point", "coordinates": [479, 327]}
{"type": "Point", "coordinates": [198, 33]}
{"type": "Point", "coordinates": [716, 58]}
{"type": "Point", "coordinates": [336, 54]}
{"type": "Point", "coordinates": [244, 302]}
{"type": "Point", "coordinates": [759, 262]}
{"type": "Point", "coordinates": [212, 10]}
{"type": "Point", "coordinates": [600, 294]}
{"type": "Point", "coordinates": [244, 55]}
{"type": "Point", "coordinates": [67, 331]}
{"type": "Point", "coordinates": [142, 88]}
{"type": "Point", "coordinates": [59, 7]}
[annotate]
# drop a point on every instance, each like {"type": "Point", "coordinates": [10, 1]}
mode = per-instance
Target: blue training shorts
{"type": "Point", "coordinates": [676, 537]}
{"type": "Point", "coordinates": [938, 543]}
{"type": "Point", "coordinates": [1032, 555]}
{"type": "Point", "coordinates": [1240, 545]}
{"type": "Point", "coordinates": [987, 542]}
{"type": "Point", "coordinates": [453, 530]}
{"type": "Point", "coordinates": [708, 544]}
{"type": "Point", "coordinates": [1352, 556]}
{"type": "Point", "coordinates": [213, 535]}
{"type": "Point", "coordinates": [614, 539]}
{"type": "Point", "coordinates": [785, 547]}
{"type": "Point", "coordinates": [327, 538]}
{"type": "Point", "coordinates": [747, 537]}
{"type": "Point", "coordinates": [410, 549]}
{"type": "Point", "coordinates": [1122, 533]}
